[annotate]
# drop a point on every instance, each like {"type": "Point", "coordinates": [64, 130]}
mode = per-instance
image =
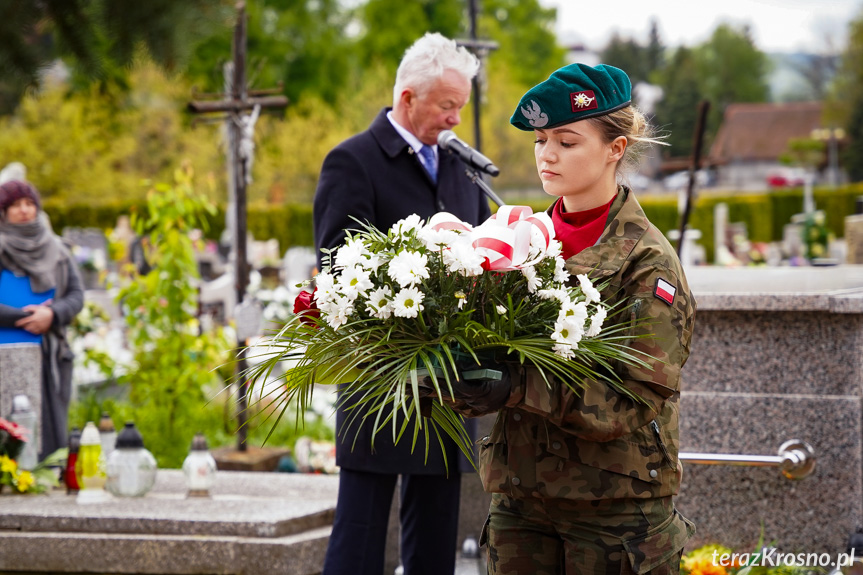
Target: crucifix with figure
{"type": "Point", "coordinates": [240, 109]}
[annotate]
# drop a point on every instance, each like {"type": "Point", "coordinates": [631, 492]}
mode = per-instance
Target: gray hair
{"type": "Point", "coordinates": [425, 62]}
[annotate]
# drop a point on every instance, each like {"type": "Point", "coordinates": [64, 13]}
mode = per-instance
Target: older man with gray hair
{"type": "Point", "coordinates": [384, 174]}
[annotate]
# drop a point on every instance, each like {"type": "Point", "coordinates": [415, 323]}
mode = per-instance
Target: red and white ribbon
{"type": "Point", "coordinates": [447, 221]}
{"type": "Point", "coordinates": [504, 239]}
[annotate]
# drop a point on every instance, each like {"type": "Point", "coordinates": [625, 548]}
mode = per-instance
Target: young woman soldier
{"type": "Point", "coordinates": [582, 483]}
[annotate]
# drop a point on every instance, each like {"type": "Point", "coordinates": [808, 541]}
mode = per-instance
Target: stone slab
{"type": "Point", "coordinates": [254, 523]}
{"type": "Point", "coordinates": [835, 289]}
{"type": "Point", "coordinates": [730, 504]}
{"type": "Point", "coordinates": [776, 352]}
{"type": "Point", "coordinates": [290, 503]}
{"type": "Point", "coordinates": [300, 554]}
{"type": "Point", "coordinates": [21, 372]}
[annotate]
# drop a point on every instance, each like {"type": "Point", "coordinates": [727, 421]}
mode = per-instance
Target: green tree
{"type": "Point", "coordinates": [843, 106]}
{"type": "Point", "coordinates": [654, 53]}
{"type": "Point", "coordinates": [173, 358]}
{"type": "Point", "coordinates": [100, 144]}
{"type": "Point", "coordinates": [730, 69]}
{"type": "Point", "coordinates": [390, 26]}
{"type": "Point", "coordinates": [300, 44]}
{"type": "Point", "coordinates": [525, 32]}
{"type": "Point", "coordinates": [852, 157]}
{"type": "Point", "coordinates": [628, 55]}
{"type": "Point", "coordinates": [638, 61]}
{"type": "Point", "coordinates": [99, 37]}
{"type": "Point", "coordinates": [677, 112]}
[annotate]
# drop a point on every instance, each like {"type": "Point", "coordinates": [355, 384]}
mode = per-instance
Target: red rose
{"type": "Point", "coordinates": [306, 308]}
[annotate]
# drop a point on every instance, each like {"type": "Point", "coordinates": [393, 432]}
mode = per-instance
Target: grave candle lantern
{"type": "Point", "coordinates": [199, 468]}
{"type": "Point", "coordinates": [69, 475]}
{"type": "Point", "coordinates": [131, 468]}
{"type": "Point", "coordinates": [90, 467]}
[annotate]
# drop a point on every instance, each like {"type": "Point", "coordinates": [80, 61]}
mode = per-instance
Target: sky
{"type": "Point", "coordinates": [816, 26]}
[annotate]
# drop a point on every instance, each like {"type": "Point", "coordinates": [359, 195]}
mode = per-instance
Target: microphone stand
{"type": "Point", "coordinates": [476, 178]}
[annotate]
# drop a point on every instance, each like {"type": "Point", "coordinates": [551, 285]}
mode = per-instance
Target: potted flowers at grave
{"type": "Point", "coordinates": [12, 440]}
{"type": "Point", "coordinates": [391, 307]}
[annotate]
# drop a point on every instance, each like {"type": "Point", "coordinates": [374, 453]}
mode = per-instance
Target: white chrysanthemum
{"type": "Point", "coordinates": [559, 294]}
{"type": "Point", "coordinates": [380, 303]}
{"type": "Point", "coordinates": [354, 281]}
{"type": "Point", "coordinates": [403, 226]}
{"type": "Point", "coordinates": [591, 294]}
{"type": "Point", "coordinates": [408, 302]}
{"type": "Point", "coordinates": [327, 307]}
{"type": "Point", "coordinates": [555, 248]}
{"type": "Point", "coordinates": [325, 283]}
{"type": "Point", "coordinates": [340, 311]}
{"type": "Point", "coordinates": [408, 268]}
{"type": "Point", "coordinates": [462, 258]}
{"type": "Point", "coordinates": [596, 322]}
{"type": "Point", "coordinates": [500, 309]}
{"type": "Point", "coordinates": [372, 263]}
{"type": "Point", "coordinates": [561, 275]}
{"type": "Point", "coordinates": [351, 254]}
{"type": "Point", "coordinates": [537, 242]}
{"type": "Point", "coordinates": [435, 239]}
{"type": "Point", "coordinates": [563, 350]}
{"type": "Point", "coordinates": [576, 312]}
{"type": "Point", "coordinates": [568, 333]}
{"type": "Point", "coordinates": [533, 281]}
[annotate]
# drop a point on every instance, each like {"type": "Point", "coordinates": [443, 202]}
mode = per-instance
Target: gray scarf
{"type": "Point", "coordinates": [31, 249]}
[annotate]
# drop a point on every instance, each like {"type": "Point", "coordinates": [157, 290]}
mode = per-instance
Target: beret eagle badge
{"type": "Point", "coordinates": [535, 116]}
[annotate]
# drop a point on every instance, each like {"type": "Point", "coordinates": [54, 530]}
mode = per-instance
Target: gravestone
{"type": "Point", "coordinates": [692, 253]}
{"type": "Point", "coordinates": [298, 264]}
{"type": "Point", "coordinates": [218, 298]}
{"type": "Point", "coordinates": [90, 250]}
{"type": "Point", "coordinates": [21, 372]}
{"type": "Point", "coordinates": [792, 238]}
{"type": "Point", "coordinates": [854, 238]}
{"type": "Point", "coordinates": [776, 355]}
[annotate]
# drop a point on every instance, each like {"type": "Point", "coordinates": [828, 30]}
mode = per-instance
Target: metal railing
{"type": "Point", "coordinates": [796, 459]}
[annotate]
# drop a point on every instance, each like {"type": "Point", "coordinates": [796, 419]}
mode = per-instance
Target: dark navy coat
{"type": "Point", "coordinates": [376, 177]}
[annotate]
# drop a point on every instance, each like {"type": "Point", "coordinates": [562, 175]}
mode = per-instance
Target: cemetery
{"type": "Point", "coordinates": [176, 464]}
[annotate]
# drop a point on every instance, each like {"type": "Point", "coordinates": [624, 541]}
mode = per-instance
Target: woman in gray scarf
{"type": "Point", "coordinates": [40, 294]}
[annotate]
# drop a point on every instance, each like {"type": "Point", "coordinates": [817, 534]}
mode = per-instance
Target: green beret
{"type": "Point", "coordinates": [573, 93]}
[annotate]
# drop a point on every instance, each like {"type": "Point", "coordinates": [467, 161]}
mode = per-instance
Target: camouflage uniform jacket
{"type": "Point", "coordinates": [549, 442]}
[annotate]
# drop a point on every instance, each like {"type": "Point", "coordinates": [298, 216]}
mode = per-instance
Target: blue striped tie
{"type": "Point", "coordinates": [428, 156]}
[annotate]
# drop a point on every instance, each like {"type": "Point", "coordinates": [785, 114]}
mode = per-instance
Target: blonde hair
{"type": "Point", "coordinates": [630, 123]}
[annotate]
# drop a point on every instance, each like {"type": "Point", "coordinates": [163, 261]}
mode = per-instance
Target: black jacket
{"type": "Point", "coordinates": [376, 177]}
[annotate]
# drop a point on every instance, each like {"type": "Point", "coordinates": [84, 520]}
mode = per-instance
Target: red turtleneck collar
{"type": "Point", "coordinates": [579, 230]}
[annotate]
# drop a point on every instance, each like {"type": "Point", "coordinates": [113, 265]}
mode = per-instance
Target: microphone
{"type": "Point", "coordinates": [447, 140]}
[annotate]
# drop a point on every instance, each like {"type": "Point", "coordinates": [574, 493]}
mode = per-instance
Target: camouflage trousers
{"type": "Point", "coordinates": [602, 537]}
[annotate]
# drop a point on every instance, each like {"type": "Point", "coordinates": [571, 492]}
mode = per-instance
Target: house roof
{"type": "Point", "coordinates": [761, 131]}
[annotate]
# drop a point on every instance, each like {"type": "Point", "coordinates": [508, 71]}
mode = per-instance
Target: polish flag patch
{"type": "Point", "coordinates": [664, 291]}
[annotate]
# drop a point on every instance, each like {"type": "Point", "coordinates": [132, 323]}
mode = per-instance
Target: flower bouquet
{"type": "Point", "coordinates": [391, 307]}
{"type": "Point", "coordinates": [12, 440]}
